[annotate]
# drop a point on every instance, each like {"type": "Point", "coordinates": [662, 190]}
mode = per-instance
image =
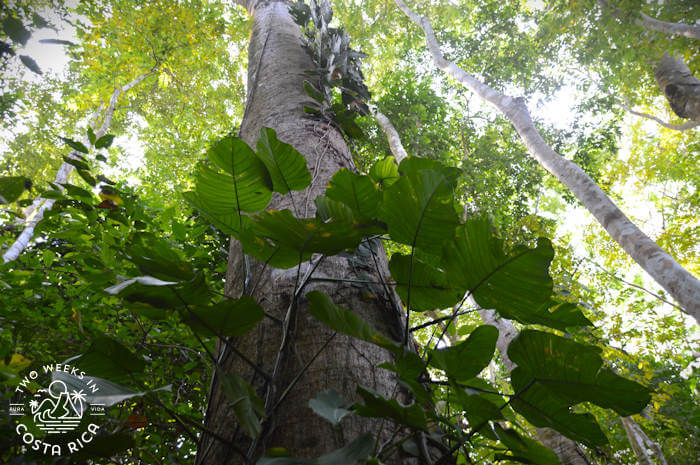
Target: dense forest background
{"type": "Point", "coordinates": [123, 107]}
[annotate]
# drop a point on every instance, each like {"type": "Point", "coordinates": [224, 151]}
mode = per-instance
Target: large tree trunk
{"type": "Point", "coordinates": [277, 63]}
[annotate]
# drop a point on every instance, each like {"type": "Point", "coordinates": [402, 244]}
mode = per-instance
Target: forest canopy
{"type": "Point", "coordinates": [350, 232]}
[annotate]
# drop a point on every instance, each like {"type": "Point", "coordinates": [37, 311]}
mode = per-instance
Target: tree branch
{"type": "Point", "coordinates": [392, 135]}
{"type": "Point", "coordinates": [40, 205]}
{"type": "Point", "coordinates": [691, 31]}
{"type": "Point", "coordinates": [679, 283]}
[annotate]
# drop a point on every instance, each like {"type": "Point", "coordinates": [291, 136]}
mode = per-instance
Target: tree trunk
{"type": "Point", "coordinates": [682, 285]}
{"type": "Point", "coordinates": [681, 88]}
{"type": "Point", "coordinates": [567, 450]}
{"type": "Point", "coordinates": [276, 67]}
{"type": "Point", "coordinates": [642, 446]}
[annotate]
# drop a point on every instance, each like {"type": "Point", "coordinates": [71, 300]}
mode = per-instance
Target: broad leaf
{"type": "Point", "coordinates": [431, 288]}
{"type": "Point", "coordinates": [230, 317]}
{"type": "Point", "coordinates": [11, 188]}
{"type": "Point", "coordinates": [385, 172]}
{"type": "Point", "coordinates": [358, 450]}
{"type": "Point", "coordinates": [466, 359]}
{"type": "Point", "coordinates": [517, 284]}
{"type": "Point", "coordinates": [525, 449]}
{"type": "Point", "coordinates": [418, 210]}
{"type": "Point", "coordinates": [356, 191]}
{"type": "Point", "coordinates": [327, 404]}
{"type": "Point", "coordinates": [30, 63]}
{"type": "Point", "coordinates": [375, 405]}
{"type": "Point", "coordinates": [104, 142]}
{"type": "Point", "coordinates": [15, 30]}
{"type": "Point", "coordinates": [286, 166]}
{"type": "Point", "coordinates": [77, 146]}
{"type": "Point", "coordinates": [108, 358]}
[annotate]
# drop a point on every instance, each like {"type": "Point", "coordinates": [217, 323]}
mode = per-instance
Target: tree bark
{"type": "Point", "coordinates": [40, 205]}
{"type": "Point", "coordinates": [392, 135]}
{"type": "Point", "coordinates": [683, 286]}
{"type": "Point", "coordinates": [567, 450]}
{"type": "Point", "coordinates": [277, 63]}
{"type": "Point", "coordinates": [681, 88]}
{"type": "Point", "coordinates": [642, 446]}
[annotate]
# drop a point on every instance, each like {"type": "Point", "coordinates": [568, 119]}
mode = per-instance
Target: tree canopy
{"type": "Point", "coordinates": [124, 275]}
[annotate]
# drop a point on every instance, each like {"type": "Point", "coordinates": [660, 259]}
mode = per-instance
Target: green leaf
{"type": "Point", "coordinates": [329, 209]}
{"type": "Point", "coordinates": [516, 284]}
{"type": "Point", "coordinates": [104, 142]}
{"type": "Point", "coordinates": [413, 166]}
{"type": "Point", "coordinates": [477, 408]}
{"type": "Point", "coordinates": [229, 223]}
{"type": "Point", "coordinates": [327, 404]}
{"type": "Point", "coordinates": [312, 92]}
{"type": "Point", "coordinates": [574, 371]}
{"type": "Point", "coordinates": [466, 359]}
{"type": "Point", "coordinates": [431, 287]}
{"type": "Point", "coordinates": [77, 146]}
{"type": "Point", "coordinates": [11, 188]}
{"type": "Point", "coordinates": [247, 406]}
{"type": "Point", "coordinates": [385, 172]}
{"type": "Point", "coordinates": [108, 358]}
{"type": "Point", "coordinates": [418, 210]}
{"type": "Point", "coordinates": [525, 449]}
{"type": "Point", "coordinates": [345, 321]}
{"type": "Point", "coordinates": [356, 191]}
{"type": "Point", "coordinates": [377, 406]}
{"type": "Point", "coordinates": [249, 184]}
{"type": "Point", "coordinates": [15, 30]}
{"type": "Point", "coordinates": [48, 257]}
{"type": "Point", "coordinates": [91, 135]}
{"type": "Point", "coordinates": [30, 63]}
{"type": "Point", "coordinates": [358, 450]}
{"type": "Point", "coordinates": [226, 318]}
{"type": "Point", "coordinates": [156, 257]}
{"type": "Point", "coordinates": [294, 238]}
{"type": "Point", "coordinates": [286, 166]}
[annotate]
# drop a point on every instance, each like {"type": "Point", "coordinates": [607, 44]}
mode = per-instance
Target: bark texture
{"type": "Point", "coordinates": [643, 447]}
{"type": "Point", "coordinates": [681, 88]}
{"type": "Point", "coordinates": [683, 286]}
{"type": "Point", "coordinates": [276, 97]}
{"type": "Point", "coordinates": [392, 135]}
{"type": "Point", "coordinates": [40, 205]}
{"type": "Point", "coordinates": [567, 450]}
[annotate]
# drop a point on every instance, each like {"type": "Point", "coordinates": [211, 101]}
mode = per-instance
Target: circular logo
{"type": "Point", "coordinates": [60, 418]}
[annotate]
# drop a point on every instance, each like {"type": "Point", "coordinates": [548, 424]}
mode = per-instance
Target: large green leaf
{"type": "Point", "coordinates": [574, 371]}
{"type": "Point", "coordinates": [418, 210]}
{"type": "Point", "coordinates": [516, 284]}
{"type": "Point", "coordinates": [356, 191]}
{"type": "Point", "coordinates": [250, 183]}
{"type": "Point", "coordinates": [229, 223]}
{"type": "Point", "coordinates": [286, 166]}
{"type": "Point", "coordinates": [294, 238]}
{"type": "Point", "coordinates": [525, 449]}
{"type": "Point", "coordinates": [375, 405]}
{"type": "Point", "coordinates": [247, 406]}
{"type": "Point", "coordinates": [413, 166]}
{"type": "Point", "coordinates": [231, 317]}
{"type": "Point", "coordinates": [108, 358]}
{"type": "Point", "coordinates": [345, 321]}
{"type": "Point", "coordinates": [555, 373]}
{"type": "Point", "coordinates": [431, 288]}
{"type": "Point", "coordinates": [385, 172]}
{"type": "Point", "coordinates": [15, 30]}
{"type": "Point", "coordinates": [466, 359]}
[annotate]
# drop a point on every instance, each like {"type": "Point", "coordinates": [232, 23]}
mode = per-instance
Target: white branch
{"type": "Point", "coordinates": [41, 205]}
{"type": "Point", "coordinates": [679, 283]}
{"type": "Point", "coordinates": [392, 135]}
{"type": "Point", "coordinates": [691, 31]}
{"type": "Point", "coordinates": [676, 127]}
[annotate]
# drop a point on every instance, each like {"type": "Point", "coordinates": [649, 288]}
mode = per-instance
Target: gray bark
{"type": "Point", "coordinates": [683, 286]}
{"type": "Point", "coordinates": [567, 450]}
{"type": "Point", "coordinates": [40, 205]}
{"type": "Point", "coordinates": [681, 88]}
{"type": "Point", "coordinates": [276, 97]}
{"type": "Point", "coordinates": [644, 448]}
